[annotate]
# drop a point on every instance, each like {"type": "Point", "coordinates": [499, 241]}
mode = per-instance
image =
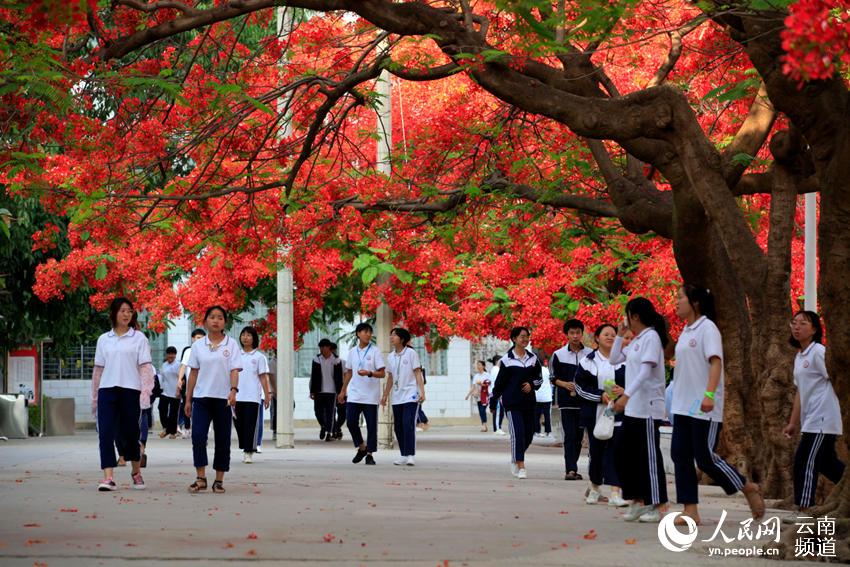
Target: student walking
{"type": "Point", "coordinates": [215, 363]}
{"type": "Point", "coordinates": [407, 386]}
{"type": "Point", "coordinates": [816, 413]}
{"type": "Point", "coordinates": [340, 406]}
{"type": "Point", "coordinates": [479, 391]}
{"type": "Point", "coordinates": [563, 369]}
{"type": "Point", "coordinates": [519, 375]}
{"type": "Point", "coordinates": [122, 381]}
{"type": "Point", "coordinates": [361, 391]}
{"type": "Point", "coordinates": [169, 399]}
{"type": "Point", "coordinates": [598, 382]}
{"type": "Point", "coordinates": [640, 466]}
{"type": "Point", "coordinates": [253, 389]}
{"type": "Point", "coordinates": [495, 404]}
{"type": "Point", "coordinates": [326, 379]}
{"type": "Point", "coordinates": [697, 405]}
{"type": "Point", "coordinates": [543, 409]}
{"type": "Point", "coordinates": [184, 422]}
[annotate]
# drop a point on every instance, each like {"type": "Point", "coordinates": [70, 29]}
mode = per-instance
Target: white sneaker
{"type": "Point", "coordinates": [616, 500]}
{"type": "Point", "coordinates": [651, 517]}
{"type": "Point", "coordinates": [538, 435]}
{"type": "Point", "coordinates": [500, 432]}
{"type": "Point", "coordinates": [514, 469]}
{"type": "Point", "coordinates": [592, 497]}
{"type": "Point", "coordinates": [411, 462]}
{"type": "Point", "coordinates": [247, 458]}
{"type": "Point", "coordinates": [401, 461]}
{"type": "Point", "coordinates": [521, 474]}
{"type": "Point", "coordinates": [635, 511]}
{"type": "Point", "coordinates": [549, 436]}
{"type": "Point", "coordinates": [259, 448]}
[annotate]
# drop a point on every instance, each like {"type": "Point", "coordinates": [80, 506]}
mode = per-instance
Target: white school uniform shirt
{"type": "Point", "coordinates": [604, 371]}
{"type": "Point", "coordinates": [698, 343]}
{"type": "Point", "coordinates": [402, 367]}
{"type": "Point", "coordinates": [168, 373]}
{"type": "Point", "coordinates": [185, 360]}
{"type": "Point", "coordinates": [120, 358]}
{"type": "Point", "coordinates": [820, 411]}
{"type": "Point", "coordinates": [478, 381]}
{"type": "Point", "coordinates": [254, 364]}
{"type": "Point", "coordinates": [363, 389]}
{"type": "Point", "coordinates": [543, 394]}
{"type": "Point", "coordinates": [214, 367]}
{"type": "Point", "coordinates": [647, 401]}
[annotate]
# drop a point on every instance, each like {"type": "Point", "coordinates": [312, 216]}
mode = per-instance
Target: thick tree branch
{"type": "Point", "coordinates": [675, 52]}
{"type": "Point", "coordinates": [749, 138]}
{"type": "Point", "coordinates": [151, 7]}
{"type": "Point", "coordinates": [440, 72]}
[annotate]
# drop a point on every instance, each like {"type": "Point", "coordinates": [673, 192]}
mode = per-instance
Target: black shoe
{"type": "Point", "coordinates": [322, 434]}
{"type": "Point", "coordinates": [359, 456]}
{"type": "Point", "coordinates": [338, 434]}
{"type": "Point", "coordinates": [329, 436]}
{"type": "Point", "coordinates": [370, 460]}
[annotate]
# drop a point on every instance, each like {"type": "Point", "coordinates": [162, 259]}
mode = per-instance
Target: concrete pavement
{"type": "Point", "coordinates": [458, 506]}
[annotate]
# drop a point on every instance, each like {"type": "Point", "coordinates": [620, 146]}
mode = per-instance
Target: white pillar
{"type": "Point", "coordinates": [284, 386]}
{"type": "Point", "coordinates": [384, 316]}
{"type": "Point", "coordinates": [810, 263]}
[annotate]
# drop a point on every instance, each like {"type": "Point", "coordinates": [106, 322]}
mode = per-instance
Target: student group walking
{"type": "Point", "coordinates": [614, 393]}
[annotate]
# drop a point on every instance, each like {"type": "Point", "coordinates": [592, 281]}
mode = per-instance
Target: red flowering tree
{"type": "Point", "coordinates": [540, 150]}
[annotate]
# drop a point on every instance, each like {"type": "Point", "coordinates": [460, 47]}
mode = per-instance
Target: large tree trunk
{"type": "Point", "coordinates": [834, 240]}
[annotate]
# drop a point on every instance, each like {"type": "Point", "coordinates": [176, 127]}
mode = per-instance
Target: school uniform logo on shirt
{"type": "Point", "coordinates": [805, 364]}
{"type": "Point", "coordinates": [637, 347]}
{"type": "Point", "coordinates": [692, 343]}
{"type": "Point", "coordinates": [226, 353]}
{"type": "Point", "coordinates": [405, 362]}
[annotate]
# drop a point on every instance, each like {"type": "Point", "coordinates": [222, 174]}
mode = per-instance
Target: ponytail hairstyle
{"type": "Point", "coordinates": [402, 334]}
{"type": "Point", "coordinates": [701, 299]}
{"type": "Point", "coordinates": [645, 310]}
{"type": "Point", "coordinates": [812, 318]}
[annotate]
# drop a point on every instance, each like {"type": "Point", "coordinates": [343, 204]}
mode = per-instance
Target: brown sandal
{"type": "Point", "coordinates": [199, 484]}
{"type": "Point", "coordinates": [218, 487]}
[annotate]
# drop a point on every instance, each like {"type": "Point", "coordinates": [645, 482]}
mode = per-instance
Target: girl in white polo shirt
{"type": "Point", "coordinates": [215, 363]}
{"type": "Point", "coordinates": [122, 382]}
{"type": "Point", "coordinates": [640, 466]}
{"type": "Point", "coordinates": [253, 384]}
{"type": "Point", "coordinates": [816, 407]}
{"type": "Point", "coordinates": [407, 385]}
{"type": "Point", "coordinates": [698, 406]}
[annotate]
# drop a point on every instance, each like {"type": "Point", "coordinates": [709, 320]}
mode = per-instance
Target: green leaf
{"type": "Point", "coordinates": [369, 275]}
{"type": "Point", "coordinates": [101, 272]}
{"type": "Point", "coordinates": [501, 295]}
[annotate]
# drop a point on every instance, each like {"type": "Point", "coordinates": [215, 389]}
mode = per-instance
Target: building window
{"type": "Point", "coordinates": [310, 349]}
{"type": "Point", "coordinates": [435, 363]}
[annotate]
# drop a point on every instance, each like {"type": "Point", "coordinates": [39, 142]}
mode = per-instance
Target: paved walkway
{"type": "Point", "coordinates": [458, 506]}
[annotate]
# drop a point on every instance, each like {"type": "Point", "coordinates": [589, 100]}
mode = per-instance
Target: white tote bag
{"type": "Point", "coordinates": [604, 429]}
